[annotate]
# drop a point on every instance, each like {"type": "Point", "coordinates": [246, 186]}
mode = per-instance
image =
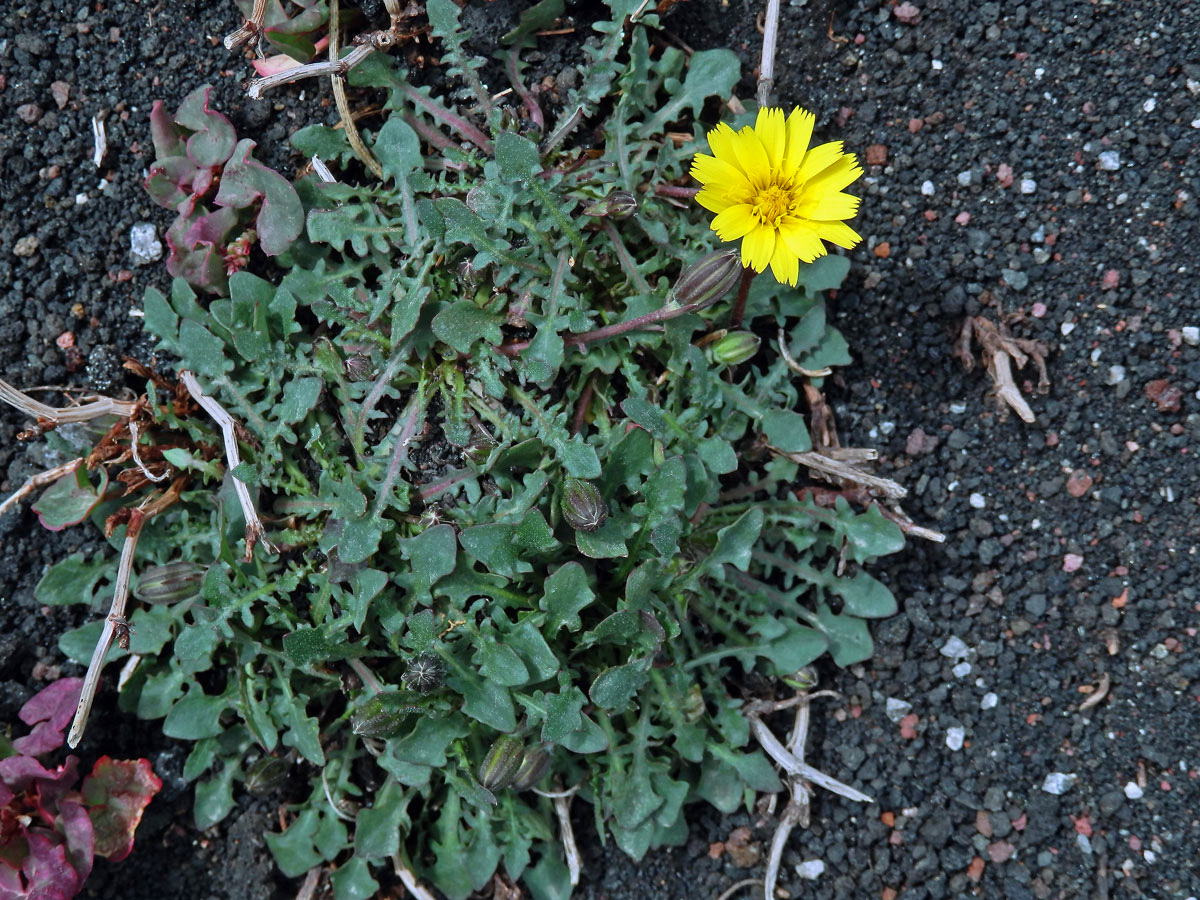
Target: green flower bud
{"type": "Point", "coordinates": [706, 281]}
{"type": "Point", "coordinates": [736, 347]}
{"type": "Point", "coordinates": [582, 505]}
{"type": "Point", "coordinates": [359, 368]}
{"type": "Point", "coordinates": [170, 583]}
{"type": "Point", "coordinates": [382, 716]}
{"type": "Point", "coordinates": [502, 763]}
{"type": "Point", "coordinates": [424, 673]}
{"type": "Point", "coordinates": [534, 767]}
{"type": "Point", "coordinates": [617, 205]}
{"type": "Point", "coordinates": [265, 774]}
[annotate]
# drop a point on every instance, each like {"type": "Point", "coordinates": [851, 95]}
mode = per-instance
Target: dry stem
{"type": "Point", "coordinates": [37, 480]}
{"type": "Point", "coordinates": [339, 95]}
{"type": "Point", "coordinates": [251, 30]}
{"type": "Point", "coordinates": [102, 406]}
{"type": "Point", "coordinates": [562, 809]}
{"type": "Point", "coordinates": [409, 879]}
{"type": "Point", "coordinates": [116, 614]}
{"type": "Point", "coordinates": [766, 69]}
{"type": "Point", "coordinates": [254, 527]}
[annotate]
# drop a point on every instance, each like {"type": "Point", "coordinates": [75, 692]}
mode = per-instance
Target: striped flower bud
{"type": "Point", "coordinates": [265, 774]}
{"type": "Point", "coordinates": [381, 717]}
{"type": "Point", "coordinates": [582, 505]}
{"type": "Point", "coordinates": [707, 280]}
{"type": "Point", "coordinates": [617, 205]}
{"type": "Point", "coordinates": [502, 763]}
{"type": "Point", "coordinates": [736, 347]}
{"type": "Point", "coordinates": [170, 583]}
{"type": "Point", "coordinates": [534, 766]}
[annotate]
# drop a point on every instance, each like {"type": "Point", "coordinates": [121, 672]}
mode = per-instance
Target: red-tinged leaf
{"type": "Point", "coordinates": [49, 875]}
{"type": "Point", "coordinates": [49, 711]}
{"type": "Point", "coordinates": [214, 138]}
{"type": "Point", "coordinates": [202, 266]}
{"type": "Point", "coordinates": [117, 792]}
{"type": "Point", "coordinates": [167, 136]}
{"type": "Point", "coordinates": [76, 825]}
{"type": "Point", "coordinates": [69, 500]}
{"type": "Point", "coordinates": [169, 183]}
{"type": "Point", "coordinates": [246, 181]}
{"type": "Point", "coordinates": [211, 229]}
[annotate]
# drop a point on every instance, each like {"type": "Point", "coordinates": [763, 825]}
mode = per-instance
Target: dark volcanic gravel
{"type": "Point", "coordinates": [1037, 164]}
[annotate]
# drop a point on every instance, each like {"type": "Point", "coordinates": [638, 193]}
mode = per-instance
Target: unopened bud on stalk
{"type": "Point", "coordinates": [359, 368]}
{"type": "Point", "coordinates": [736, 347]}
{"type": "Point", "coordinates": [423, 673]}
{"type": "Point", "coordinates": [265, 774]}
{"type": "Point", "coordinates": [582, 505]}
{"type": "Point", "coordinates": [617, 205]}
{"type": "Point", "coordinates": [381, 717]}
{"type": "Point", "coordinates": [707, 280]}
{"type": "Point", "coordinates": [502, 763]}
{"type": "Point", "coordinates": [534, 767]}
{"type": "Point", "coordinates": [170, 583]}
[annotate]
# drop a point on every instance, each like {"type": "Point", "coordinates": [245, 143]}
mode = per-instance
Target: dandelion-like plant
{"type": "Point", "coordinates": [780, 198]}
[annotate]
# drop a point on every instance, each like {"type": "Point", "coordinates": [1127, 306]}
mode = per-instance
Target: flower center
{"type": "Point", "coordinates": [772, 204]}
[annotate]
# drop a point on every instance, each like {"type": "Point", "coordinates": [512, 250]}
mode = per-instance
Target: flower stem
{"type": "Point", "coordinates": [739, 304]}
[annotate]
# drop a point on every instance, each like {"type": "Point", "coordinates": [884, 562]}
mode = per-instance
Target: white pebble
{"type": "Point", "coordinates": [964, 178]}
{"type": "Point", "coordinates": [1191, 334]}
{"type": "Point", "coordinates": [1039, 72]}
{"type": "Point", "coordinates": [1094, 356]}
{"type": "Point", "coordinates": [810, 869]}
{"type": "Point", "coordinates": [927, 188]}
{"type": "Point", "coordinates": [1116, 374]}
{"type": "Point", "coordinates": [958, 407]}
{"type": "Point", "coordinates": [955, 648]}
{"type": "Point", "coordinates": [1028, 185]}
{"type": "Point", "coordinates": [962, 670]}
{"type": "Point", "coordinates": [1084, 842]}
{"type": "Point", "coordinates": [1132, 791]}
{"type": "Point", "coordinates": [1066, 328]}
{"type": "Point", "coordinates": [144, 245]}
{"type": "Point", "coordinates": [1149, 105]}
{"type": "Point", "coordinates": [81, 199]}
{"type": "Point", "coordinates": [896, 709]}
{"type": "Point", "coordinates": [989, 701]}
{"type": "Point", "coordinates": [1039, 235]}
{"type": "Point", "coordinates": [1196, 123]}
{"type": "Point", "coordinates": [936, 65]}
{"type": "Point", "coordinates": [1149, 856]}
{"type": "Point", "coordinates": [955, 737]}
{"type": "Point", "coordinates": [977, 501]}
{"type": "Point", "coordinates": [1059, 782]}
{"type": "Point", "coordinates": [1110, 160]}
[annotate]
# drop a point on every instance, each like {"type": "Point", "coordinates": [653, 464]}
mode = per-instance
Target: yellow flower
{"type": "Point", "coordinates": [779, 197]}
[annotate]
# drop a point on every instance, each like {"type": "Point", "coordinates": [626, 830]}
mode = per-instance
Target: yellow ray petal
{"type": "Point", "coordinates": [721, 141]}
{"type": "Point", "coordinates": [802, 239]}
{"type": "Point", "coordinates": [770, 129]}
{"type": "Point", "coordinates": [785, 266]}
{"type": "Point", "coordinates": [758, 247]}
{"type": "Point", "coordinates": [818, 159]}
{"type": "Point", "coordinates": [799, 132]}
{"type": "Point", "coordinates": [752, 158]}
{"type": "Point", "coordinates": [838, 233]}
{"type": "Point", "coordinates": [719, 174]}
{"type": "Point", "coordinates": [828, 206]}
{"type": "Point", "coordinates": [840, 175]}
{"type": "Point", "coordinates": [715, 201]}
{"type": "Point", "coordinates": [734, 222]}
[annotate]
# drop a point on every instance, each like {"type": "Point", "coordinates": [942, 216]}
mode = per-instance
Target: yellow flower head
{"type": "Point", "coordinates": [775, 194]}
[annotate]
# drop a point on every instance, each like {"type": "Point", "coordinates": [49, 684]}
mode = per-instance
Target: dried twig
{"type": "Point", "coordinates": [734, 888]}
{"type": "Point", "coordinates": [339, 96]}
{"type": "Point", "coordinates": [254, 527]}
{"type": "Point", "coordinates": [838, 469]}
{"type": "Point", "coordinates": [562, 809]}
{"type": "Point", "coordinates": [99, 141]}
{"type": "Point", "coordinates": [55, 416]}
{"type": "Point", "coordinates": [310, 70]}
{"type": "Point", "coordinates": [795, 366]}
{"type": "Point", "coordinates": [133, 451]}
{"type": "Point", "coordinates": [1098, 694]}
{"type": "Point", "coordinates": [308, 889]}
{"type": "Point", "coordinates": [37, 480]}
{"type": "Point", "coordinates": [766, 68]}
{"type": "Point", "coordinates": [798, 768]}
{"type": "Point", "coordinates": [409, 879]}
{"type": "Point", "coordinates": [251, 30]}
{"type": "Point", "coordinates": [998, 349]}
{"type": "Point", "coordinates": [115, 620]}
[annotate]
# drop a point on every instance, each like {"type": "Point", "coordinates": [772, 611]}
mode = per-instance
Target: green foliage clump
{"type": "Point", "coordinates": [444, 617]}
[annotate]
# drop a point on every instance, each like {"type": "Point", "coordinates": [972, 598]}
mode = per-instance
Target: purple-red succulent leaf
{"type": "Point", "coordinates": [202, 266]}
{"type": "Point", "coordinates": [214, 138]}
{"type": "Point", "coordinates": [117, 792]}
{"type": "Point", "coordinates": [49, 875]}
{"type": "Point", "coordinates": [212, 228]}
{"type": "Point", "coordinates": [167, 136]}
{"type": "Point", "coordinates": [169, 183]}
{"type": "Point", "coordinates": [75, 823]}
{"type": "Point", "coordinates": [69, 500]}
{"type": "Point", "coordinates": [246, 180]}
{"type": "Point", "coordinates": [49, 711]}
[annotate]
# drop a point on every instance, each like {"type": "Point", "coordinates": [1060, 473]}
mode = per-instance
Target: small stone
{"type": "Point", "coordinates": [1132, 791]}
{"type": "Point", "coordinates": [918, 443]}
{"type": "Point", "coordinates": [907, 13]}
{"type": "Point", "coordinates": [26, 246]}
{"type": "Point", "coordinates": [876, 155]}
{"type": "Point", "coordinates": [883, 250]}
{"type": "Point", "coordinates": [914, 125]}
{"type": "Point", "coordinates": [964, 178]}
{"type": "Point", "coordinates": [1059, 782]}
{"type": "Point", "coordinates": [977, 501]}
{"type": "Point", "coordinates": [955, 737]}
{"type": "Point", "coordinates": [1111, 279]}
{"type": "Point", "coordinates": [1004, 174]}
{"type": "Point", "coordinates": [29, 113]}
{"type": "Point", "coordinates": [1164, 395]}
{"type": "Point", "coordinates": [896, 709]}
{"type": "Point", "coordinates": [810, 869]}
{"type": "Point", "coordinates": [1028, 185]}
{"type": "Point", "coordinates": [1190, 335]}
{"type": "Point", "coordinates": [927, 188]}
{"type": "Point", "coordinates": [1015, 279]}
{"type": "Point", "coordinates": [1110, 160]}
{"type": "Point", "coordinates": [962, 670]}
{"type": "Point", "coordinates": [1072, 562]}
{"type": "Point", "coordinates": [989, 701]}
{"type": "Point", "coordinates": [1039, 310]}
{"type": "Point", "coordinates": [61, 92]}
{"type": "Point", "coordinates": [1149, 105]}
{"type": "Point", "coordinates": [963, 218]}
{"type": "Point", "coordinates": [1116, 374]}
{"type": "Point", "coordinates": [955, 648]}
{"type": "Point", "coordinates": [1066, 328]}
{"type": "Point", "coordinates": [1084, 842]}
{"type": "Point", "coordinates": [144, 245]}
{"type": "Point", "coordinates": [1000, 851]}
{"type": "Point", "coordinates": [1079, 483]}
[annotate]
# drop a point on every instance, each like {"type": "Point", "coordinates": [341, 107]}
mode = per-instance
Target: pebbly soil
{"type": "Point", "coordinates": [1035, 164]}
